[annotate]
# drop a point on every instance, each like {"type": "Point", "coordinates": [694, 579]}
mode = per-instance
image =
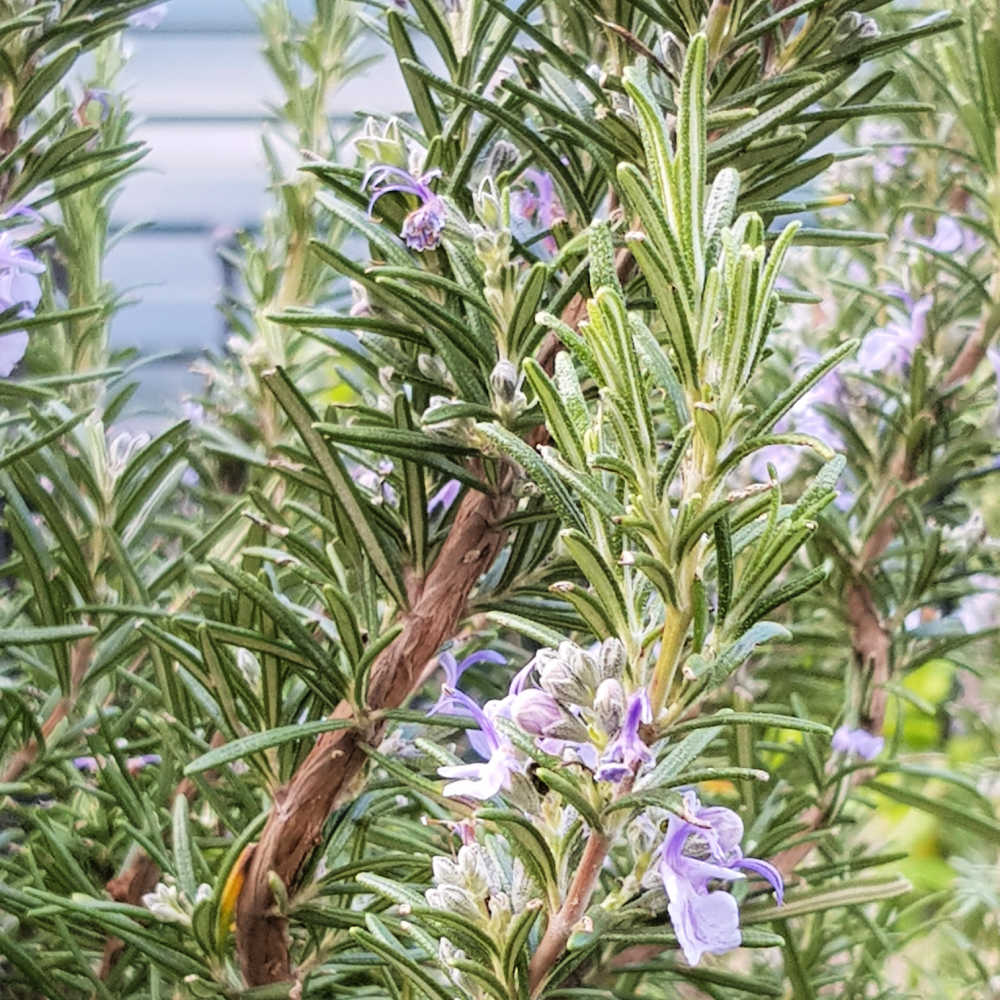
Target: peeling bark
{"type": "Point", "coordinates": [329, 774]}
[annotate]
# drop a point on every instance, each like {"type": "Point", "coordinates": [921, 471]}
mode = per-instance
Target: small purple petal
{"type": "Point", "coordinates": [766, 871]}
{"type": "Point", "coordinates": [445, 496]}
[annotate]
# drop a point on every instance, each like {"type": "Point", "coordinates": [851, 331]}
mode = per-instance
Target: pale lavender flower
{"type": "Point", "coordinates": [805, 417]}
{"type": "Point", "coordinates": [453, 671]}
{"type": "Point", "coordinates": [148, 18]}
{"type": "Point", "coordinates": [627, 752]}
{"type": "Point", "coordinates": [93, 95]}
{"type": "Point", "coordinates": [539, 203]}
{"type": "Point", "coordinates": [482, 780]}
{"type": "Point", "coordinates": [890, 348]}
{"type": "Point", "coordinates": [857, 743]}
{"type": "Point", "coordinates": [700, 848]}
{"type": "Point", "coordinates": [445, 497]}
{"type": "Point", "coordinates": [948, 235]}
{"type": "Point", "coordinates": [19, 285]}
{"type": "Point", "coordinates": [422, 228]}
{"type": "Point", "coordinates": [133, 764]}
{"type": "Point", "coordinates": [572, 751]}
{"type": "Point", "coordinates": [376, 480]}
{"type": "Point", "coordinates": [889, 155]}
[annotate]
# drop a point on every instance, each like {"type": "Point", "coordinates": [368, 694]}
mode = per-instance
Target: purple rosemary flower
{"type": "Point", "coordinates": [890, 348]}
{"type": "Point", "coordinates": [700, 848]}
{"type": "Point", "coordinates": [805, 417]}
{"type": "Point", "coordinates": [480, 781]}
{"type": "Point", "coordinates": [857, 743]}
{"type": "Point", "coordinates": [149, 17]}
{"type": "Point", "coordinates": [948, 237]}
{"type": "Point", "coordinates": [627, 752]}
{"type": "Point", "coordinates": [445, 497]}
{"type": "Point", "coordinates": [453, 671]}
{"type": "Point", "coordinates": [890, 154]}
{"type": "Point", "coordinates": [539, 203]}
{"type": "Point", "coordinates": [19, 284]}
{"type": "Point", "coordinates": [376, 480]}
{"type": "Point", "coordinates": [102, 98]}
{"type": "Point", "coordinates": [422, 228]}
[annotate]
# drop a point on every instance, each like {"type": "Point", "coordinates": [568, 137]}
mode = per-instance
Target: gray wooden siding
{"type": "Point", "coordinates": [202, 90]}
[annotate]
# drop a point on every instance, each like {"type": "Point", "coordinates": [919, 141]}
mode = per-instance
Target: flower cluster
{"type": "Point", "coordinates": [19, 285]}
{"type": "Point", "coordinates": [487, 890]}
{"type": "Point", "coordinates": [576, 705]}
{"type": "Point", "coordinates": [579, 711]}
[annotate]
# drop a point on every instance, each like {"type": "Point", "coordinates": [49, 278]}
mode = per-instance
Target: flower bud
{"type": "Point", "coordinates": [609, 705]}
{"type": "Point", "coordinates": [535, 711]}
{"type": "Point", "coordinates": [455, 900]}
{"type": "Point", "coordinates": [503, 380]}
{"type": "Point", "coordinates": [558, 678]}
{"type": "Point", "coordinates": [611, 658]}
{"type": "Point", "coordinates": [673, 53]}
{"type": "Point", "coordinates": [503, 156]}
{"type": "Point", "coordinates": [445, 872]}
{"type": "Point", "coordinates": [473, 869]}
{"type": "Point", "coordinates": [584, 666]}
{"type": "Point", "coordinates": [569, 727]}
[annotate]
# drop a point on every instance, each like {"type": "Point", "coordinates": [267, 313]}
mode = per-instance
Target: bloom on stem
{"type": "Point", "coordinates": [453, 671]}
{"type": "Point", "coordinates": [701, 847]}
{"type": "Point", "coordinates": [423, 226]}
{"type": "Point", "coordinates": [891, 348]}
{"type": "Point", "coordinates": [19, 286]}
{"type": "Point", "coordinates": [480, 781]}
{"type": "Point", "coordinates": [627, 751]}
{"type": "Point", "coordinates": [858, 742]}
{"type": "Point", "coordinates": [445, 497]}
{"type": "Point", "coordinates": [541, 205]}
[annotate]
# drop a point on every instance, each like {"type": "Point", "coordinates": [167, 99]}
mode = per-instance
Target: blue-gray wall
{"type": "Point", "coordinates": [202, 89]}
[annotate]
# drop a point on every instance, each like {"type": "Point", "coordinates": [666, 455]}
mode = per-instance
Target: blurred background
{"type": "Point", "coordinates": [203, 91]}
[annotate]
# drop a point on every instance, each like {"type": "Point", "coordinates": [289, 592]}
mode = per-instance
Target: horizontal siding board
{"type": "Point", "coordinates": [203, 92]}
{"type": "Point", "coordinates": [197, 74]}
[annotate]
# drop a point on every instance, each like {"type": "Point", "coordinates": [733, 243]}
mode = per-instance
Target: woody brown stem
{"type": "Point", "coordinates": [574, 906]}
{"type": "Point", "coordinates": [329, 774]}
{"type": "Point", "coordinates": [561, 924]}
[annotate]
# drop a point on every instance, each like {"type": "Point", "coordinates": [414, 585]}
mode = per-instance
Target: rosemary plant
{"type": "Point", "coordinates": [547, 595]}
